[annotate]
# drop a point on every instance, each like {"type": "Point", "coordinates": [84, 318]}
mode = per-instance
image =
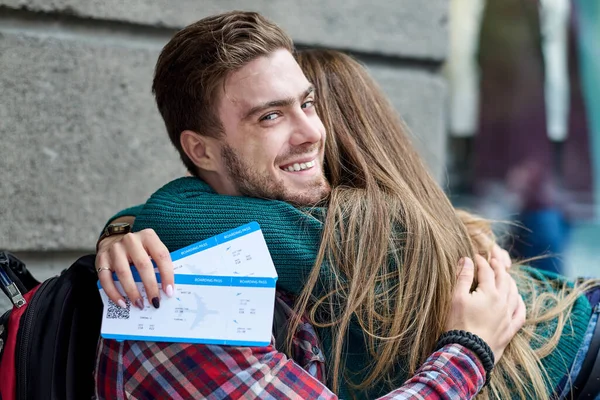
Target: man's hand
{"type": "Point", "coordinates": [140, 248]}
{"type": "Point", "coordinates": [494, 311]}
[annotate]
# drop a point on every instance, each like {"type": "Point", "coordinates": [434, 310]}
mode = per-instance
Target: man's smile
{"type": "Point", "coordinates": [299, 165]}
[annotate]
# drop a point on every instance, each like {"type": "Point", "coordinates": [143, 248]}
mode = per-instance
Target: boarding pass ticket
{"type": "Point", "coordinates": [224, 294]}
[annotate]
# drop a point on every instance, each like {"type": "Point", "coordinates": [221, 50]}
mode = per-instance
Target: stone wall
{"type": "Point", "coordinates": [81, 137]}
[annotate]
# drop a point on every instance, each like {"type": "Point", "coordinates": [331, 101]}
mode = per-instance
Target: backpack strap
{"type": "Point", "coordinates": [590, 369]}
{"type": "Point", "coordinates": [15, 279]}
{"type": "Point", "coordinates": [587, 383]}
{"type": "Point", "coordinates": [19, 271]}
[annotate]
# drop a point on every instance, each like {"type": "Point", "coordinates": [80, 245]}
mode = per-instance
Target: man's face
{"type": "Point", "coordinates": [274, 141]}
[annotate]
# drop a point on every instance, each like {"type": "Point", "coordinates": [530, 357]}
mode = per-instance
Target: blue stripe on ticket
{"type": "Point", "coordinates": [121, 338]}
{"type": "Point", "coordinates": [212, 280]}
{"type": "Point", "coordinates": [254, 282]}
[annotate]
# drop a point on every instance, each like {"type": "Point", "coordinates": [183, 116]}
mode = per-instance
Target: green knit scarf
{"type": "Point", "coordinates": [187, 210]}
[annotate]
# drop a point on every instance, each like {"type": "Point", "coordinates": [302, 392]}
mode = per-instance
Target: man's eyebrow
{"type": "Point", "coordinates": [278, 103]}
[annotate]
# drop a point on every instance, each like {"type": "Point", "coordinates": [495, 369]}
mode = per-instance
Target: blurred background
{"type": "Point", "coordinates": [524, 124]}
{"type": "Point", "coordinates": [502, 97]}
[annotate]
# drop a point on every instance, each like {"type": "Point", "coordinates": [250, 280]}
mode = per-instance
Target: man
{"type": "Point", "coordinates": [241, 114]}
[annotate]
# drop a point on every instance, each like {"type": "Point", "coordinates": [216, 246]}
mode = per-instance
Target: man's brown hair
{"type": "Point", "coordinates": [195, 62]}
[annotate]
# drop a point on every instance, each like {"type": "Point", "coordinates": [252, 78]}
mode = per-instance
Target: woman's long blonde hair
{"type": "Point", "coordinates": [392, 241]}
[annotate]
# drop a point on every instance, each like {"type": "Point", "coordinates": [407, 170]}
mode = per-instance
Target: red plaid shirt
{"type": "Point", "coordinates": [152, 370]}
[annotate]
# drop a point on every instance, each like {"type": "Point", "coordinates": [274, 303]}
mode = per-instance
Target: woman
{"type": "Point", "coordinates": [405, 195]}
{"type": "Point", "coordinates": [384, 200]}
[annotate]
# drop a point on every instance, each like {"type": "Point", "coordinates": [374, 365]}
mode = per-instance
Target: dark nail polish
{"type": "Point", "coordinates": [139, 303]}
{"type": "Point", "coordinates": [156, 302]}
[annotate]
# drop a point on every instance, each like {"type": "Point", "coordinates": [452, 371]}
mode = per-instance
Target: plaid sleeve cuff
{"type": "Point", "coordinates": [453, 372]}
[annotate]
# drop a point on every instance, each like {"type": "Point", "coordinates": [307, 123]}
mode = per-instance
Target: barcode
{"type": "Point", "coordinates": [116, 312]}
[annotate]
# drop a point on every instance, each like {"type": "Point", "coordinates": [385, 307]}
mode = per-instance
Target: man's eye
{"type": "Point", "coordinates": [308, 104]}
{"type": "Point", "coordinates": [270, 117]}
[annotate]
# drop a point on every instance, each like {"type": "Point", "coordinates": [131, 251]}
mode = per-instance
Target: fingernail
{"type": "Point", "coordinates": [156, 302]}
{"type": "Point", "coordinates": [121, 303]}
{"type": "Point", "coordinates": [169, 290]}
{"type": "Point", "coordinates": [139, 303]}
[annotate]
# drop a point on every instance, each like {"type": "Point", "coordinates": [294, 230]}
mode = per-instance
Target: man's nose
{"type": "Point", "coordinates": [308, 129]}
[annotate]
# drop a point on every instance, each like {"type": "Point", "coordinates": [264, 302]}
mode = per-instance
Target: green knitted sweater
{"type": "Point", "coordinates": [187, 210]}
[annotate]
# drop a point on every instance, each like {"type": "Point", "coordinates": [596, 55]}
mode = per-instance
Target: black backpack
{"type": "Point", "coordinates": [49, 337]}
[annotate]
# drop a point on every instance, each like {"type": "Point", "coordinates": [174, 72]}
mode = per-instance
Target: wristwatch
{"type": "Point", "coordinates": [118, 228]}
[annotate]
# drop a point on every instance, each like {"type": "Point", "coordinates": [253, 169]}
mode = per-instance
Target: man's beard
{"type": "Point", "coordinates": [254, 184]}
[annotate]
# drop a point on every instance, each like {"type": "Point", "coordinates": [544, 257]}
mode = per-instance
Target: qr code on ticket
{"type": "Point", "coordinates": [116, 312]}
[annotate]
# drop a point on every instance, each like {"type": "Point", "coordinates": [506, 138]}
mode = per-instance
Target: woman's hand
{"type": "Point", "coordinates": [117, 253]}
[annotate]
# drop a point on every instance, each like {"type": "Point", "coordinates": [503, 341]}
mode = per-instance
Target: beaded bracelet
{"type": "Point", "coordinates": [474, 343]}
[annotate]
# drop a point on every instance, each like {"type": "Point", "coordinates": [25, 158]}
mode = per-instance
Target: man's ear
{"type": "Point", "coordinates": [202, 150]}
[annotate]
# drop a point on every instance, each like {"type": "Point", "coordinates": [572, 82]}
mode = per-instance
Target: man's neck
{"type": "Point", "coordinates": [218, 183]}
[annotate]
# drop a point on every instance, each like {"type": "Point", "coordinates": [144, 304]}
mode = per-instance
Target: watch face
{"type": "Point", "coordinates": [118, 227]}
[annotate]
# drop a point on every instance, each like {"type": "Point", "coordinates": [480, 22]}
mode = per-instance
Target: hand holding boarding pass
{"type": "Point", "coordinates": [224, 294]}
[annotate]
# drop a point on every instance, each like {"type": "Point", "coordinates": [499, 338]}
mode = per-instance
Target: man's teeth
{"type": "Point", "coordinates": [300, 167]}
